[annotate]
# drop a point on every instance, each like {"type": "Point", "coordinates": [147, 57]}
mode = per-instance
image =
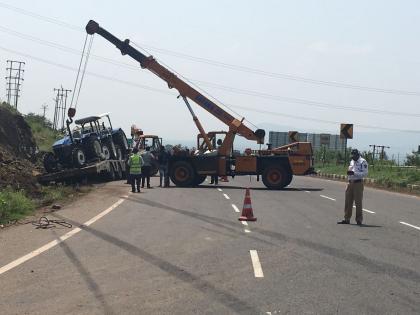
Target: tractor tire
{"type": "Point", "coordinates": [93, 148]}
{"type": "Point", "coordinates": [111, 146]}
{"type": "Point", "coordinates": [119, 173]}
{"type": "Point", "coordinates": [119, 154]}
{"type": "Point", "coordinates": [199, 179]}
{"type": "Point", "coordinates": [275, 177]}
{"type": "Point", "coordinates": [182, 174]}
{"type": "Point", "coordinates": [106, 152]}
{"type": "Point", "coordinates": [121, 140]}
{"type": "Point", "coordinates": [79, 157]}
{"type": "Point", "coordinates": [155, 168]}
{"type": "Point", "coordinates": [110, 175]}
{"type": "Point", "coordinates": [50, 163]}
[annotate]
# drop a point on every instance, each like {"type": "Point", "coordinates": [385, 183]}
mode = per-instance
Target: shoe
{"type": "Point", "coordinates": [149, 187]}
{"type": "Point", "coordinates": [160, 186]}
{"type": "Point", "coordinates": [138, 190]}
{"type": "Point", "coordinates": [359, 223]}
{"type": "Point", "coordinates": [133, 191]}
{"type": "Point", "coordinates": [344, 222]}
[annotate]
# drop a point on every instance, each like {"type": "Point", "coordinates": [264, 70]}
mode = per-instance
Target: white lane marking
{"type": "Point", "coordinates": [247, 231]}
{"type": "Point", "coordinates": [326, 197]}
{"type": "Point", "coordinates": [235, 208]}
{"type": "Point", "coordinates": [62, 238]}
{"type": "Point", "coordinates": [408, 224]}
{"type": "Point", "coordinates": [219, 189]}
{"type": "Point", "coordinates": [244, 223]}
{"type": "Point", "coordinates": [366, 210]}
{"type": "Point", "coordinates": [226, 196]}
{"type": "Point", "coordinates": [258, 272]}
{"type": "Point", "coordinates": [307, 191]}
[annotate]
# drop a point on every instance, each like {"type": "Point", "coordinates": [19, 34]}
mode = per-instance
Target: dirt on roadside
{"type": "Point", "coordinates": [18, 161]}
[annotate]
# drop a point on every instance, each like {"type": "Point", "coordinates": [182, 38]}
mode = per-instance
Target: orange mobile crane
{"type": "Point", "coordinates": [276, 166]}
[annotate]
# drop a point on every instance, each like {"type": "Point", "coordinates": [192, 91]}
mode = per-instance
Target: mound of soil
{"type": "Point", "coordinates": [17, 152]}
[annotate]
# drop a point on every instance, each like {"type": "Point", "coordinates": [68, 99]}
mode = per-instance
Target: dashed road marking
{"type": "Point", "coordinates": [244, 223]}
{"type": "Point", "coordinates": [61, 239]}
{"type": "Point", "coordinates": [408, 224]}
{"type": "Point", "coordinates": [226, 196]}
{"type": "Point", "coordinates": [366, 210]}
{"type": "Point", "coordinates": [219, 189]}
{"type": "Point", "coordinates": [326, 197]}
{"type": "Point", "coordinates": [235, 208]}
{"type": "Point", "coordinates": [247, 231]}
{"type": "Point", "coordinates": [307, 191]}
{"type": "Point", "coordinates": [258, 272]}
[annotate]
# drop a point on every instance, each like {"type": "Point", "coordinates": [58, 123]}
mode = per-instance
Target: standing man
{"type": "Point", "coordinates": [135, 162]}
{"type": "Point", "coordinates": [357, 170]}
{"type": "Point", "coordinates": [147, 166]}
{"type": "Point", "coordinates": [163, 159]}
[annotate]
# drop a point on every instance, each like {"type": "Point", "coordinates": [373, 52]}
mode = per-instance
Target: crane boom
{"type": "Point", "coordinates": [184, 89]}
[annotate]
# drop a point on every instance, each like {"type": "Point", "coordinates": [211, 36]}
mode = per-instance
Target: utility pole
{"type": "Point", "coordinates": [44, 107]}
{"type": "Point", "coordinates": [15, 76]}
{"type": "Point", "coordinates": [382, 156]}
{"type": "Point", "coordinates": [373, 154]}
{"type": "Point", "coordinates": [381, 153]}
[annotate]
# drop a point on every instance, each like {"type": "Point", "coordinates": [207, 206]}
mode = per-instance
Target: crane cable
{"type": "Point", "coordinates": [77, 84]}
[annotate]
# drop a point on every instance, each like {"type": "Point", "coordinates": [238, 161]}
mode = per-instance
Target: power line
{"type": "Point", "coordinates": [166, 92]}
{"type": "Point", "coordinates": [277, 75]}
{"type": "Point", "coordinates": [218, 86]}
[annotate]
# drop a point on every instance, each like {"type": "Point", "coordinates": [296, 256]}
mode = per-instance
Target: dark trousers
{"type": "Point", "coordinates": [145, 172]}
{"type": "Point", "coordinates": [214, 179]}
{"type": "Point", "coordinates": [135, 181]}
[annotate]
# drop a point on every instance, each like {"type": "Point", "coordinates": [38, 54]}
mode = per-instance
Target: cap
{"type": "Point", "coordinates": [354, 151]}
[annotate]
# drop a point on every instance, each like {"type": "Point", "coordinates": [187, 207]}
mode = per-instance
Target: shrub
{"type": "Point", "coordinates": [14, 205]}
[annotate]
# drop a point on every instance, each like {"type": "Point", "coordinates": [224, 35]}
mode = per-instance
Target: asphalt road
{"type": "Point", "coordinates": [183, 251]}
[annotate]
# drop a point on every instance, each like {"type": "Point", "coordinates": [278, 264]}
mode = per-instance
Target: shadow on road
{"type": "Point", "coordinates": [370, 264]}
{"type": "Point", "coordinates": [86, 276]}
{"type": "Point", "coordinates": [227, 299]}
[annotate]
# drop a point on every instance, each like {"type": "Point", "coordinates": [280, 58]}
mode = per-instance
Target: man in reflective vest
{"type": "Point", "coordinates": [135, 162]}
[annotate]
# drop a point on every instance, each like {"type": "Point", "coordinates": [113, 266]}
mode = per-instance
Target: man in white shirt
{"type": "Point", "coordinates": [358, 169]}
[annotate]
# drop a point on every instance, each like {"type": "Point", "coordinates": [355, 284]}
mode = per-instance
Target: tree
{"type": "Point", "coordinates": [413, 159]}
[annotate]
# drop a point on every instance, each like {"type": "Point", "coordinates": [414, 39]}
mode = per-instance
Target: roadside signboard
{"type": "Point", "coordinates": [293, 136]}
{"type": "Point", "coordinates": [346, 131]}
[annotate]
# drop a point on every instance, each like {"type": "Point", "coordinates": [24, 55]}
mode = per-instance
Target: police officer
{"type": "Point", "coordinates": [136, 162]}
{"type": "Point", "coordinates": [358, 169]}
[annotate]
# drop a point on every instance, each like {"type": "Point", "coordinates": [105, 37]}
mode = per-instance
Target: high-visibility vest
{"type": "Point", "coordinates": [135, 164]}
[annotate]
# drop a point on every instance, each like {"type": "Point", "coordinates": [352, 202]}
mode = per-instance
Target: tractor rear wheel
{"type": "Point", "coordinates": [79, 157]}
{"type": "Point", "coordinates": [182, 174]}
{"type": "Point", "coordinates": [275, 177]}
{"type": "Point", "coordinates": [93, 148]}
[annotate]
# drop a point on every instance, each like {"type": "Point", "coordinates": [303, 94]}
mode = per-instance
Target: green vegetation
{"type": "Point", "coordinates": [14, 205]}
{"type": "Point", "coordinates": [385, 172]}
{"type": "Point", "coordinates": [42, 131]}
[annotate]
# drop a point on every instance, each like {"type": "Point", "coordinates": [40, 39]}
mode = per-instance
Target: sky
{"type": "Point", "coordinates": [286, 65]}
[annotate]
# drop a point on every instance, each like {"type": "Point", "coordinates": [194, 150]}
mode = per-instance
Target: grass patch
{"type": "Point", "coordinates": [42, 130]}
{"type": "Point", "coordinates": [384, 175]}
{"type": "Point", "coordinates": [14, 205]}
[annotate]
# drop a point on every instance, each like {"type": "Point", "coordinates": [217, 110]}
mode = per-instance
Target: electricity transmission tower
{"type": "Point", "coordinates": [14, 77]}
{"type": "Point", "coordinates": [60, 108]}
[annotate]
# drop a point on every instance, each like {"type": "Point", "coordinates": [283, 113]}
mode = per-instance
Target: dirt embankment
{"type": "Point", "coordinates": [17, 152]}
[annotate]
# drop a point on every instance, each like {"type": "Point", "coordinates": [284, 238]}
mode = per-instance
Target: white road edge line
{"type": "Point", "coordinates": [226, 196]}
{"type": "Point", "coordinates": [408, 224]}
{"type": "Point", "coordinates": [235, 208]}
{"type": "Point", "coordinates": [219, 189]}
{"type": "Point", "coordinates": [62, 238]}
{"type": "Point", "coordinates": [258, 272]}
{"type": "Point", "coordinates": [326, 197]}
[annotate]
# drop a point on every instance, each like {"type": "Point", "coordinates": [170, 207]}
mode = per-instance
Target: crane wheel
{"type": "Point", "coordinates": [199, 179]}
{"type": "Point", "coordinates": [276, 177]}
{"type": "Point", "coordinates": [182, 174]}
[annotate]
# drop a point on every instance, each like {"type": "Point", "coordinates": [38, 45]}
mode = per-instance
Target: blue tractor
{"type": "Point", "coordinates": [89, 141]}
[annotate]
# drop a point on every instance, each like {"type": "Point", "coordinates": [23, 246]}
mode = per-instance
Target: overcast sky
{"type": "Point", "coordinates": [286, 59]}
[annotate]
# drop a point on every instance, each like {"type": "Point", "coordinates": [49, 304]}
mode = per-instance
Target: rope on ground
{"type": "Point", "coordinates": [45, 223]}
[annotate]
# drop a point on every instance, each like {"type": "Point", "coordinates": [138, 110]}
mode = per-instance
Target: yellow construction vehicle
{"type": "Point", "coordinates": [276, 166]}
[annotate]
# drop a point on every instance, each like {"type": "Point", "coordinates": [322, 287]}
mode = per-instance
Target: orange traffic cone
{"type": "Point", "coordinates": [247, 214]}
